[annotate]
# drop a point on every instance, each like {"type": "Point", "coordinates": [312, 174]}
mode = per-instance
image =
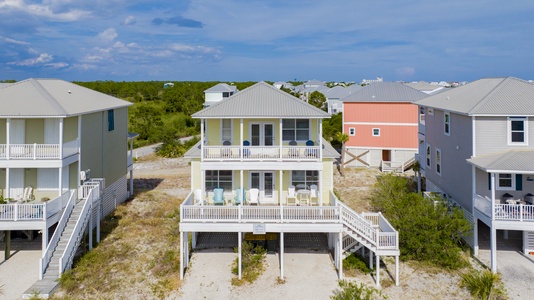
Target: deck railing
{"type": "Point", "coordinates": [248, 153]}
{"type": "Point", "coordinates": [505, 212]}
{"type": "Point", "coordinates": [38, 151]}
{"type": "Point", "coordinates": [32, 211]}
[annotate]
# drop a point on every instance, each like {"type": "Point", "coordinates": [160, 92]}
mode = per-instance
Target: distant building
{"type": "Point", "coordinates": [218, 93]}
{"type": "Point", "coordinates": [369, 81]}
{"type": "Point", "coordinates": [168, 85]}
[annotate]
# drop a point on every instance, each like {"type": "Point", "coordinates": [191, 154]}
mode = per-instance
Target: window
{"type": "Point", "coordinates": [226, 130]}
{"type": "Point", "coordinates": [295, 130]}
{"type": "Point", "coordinates": [422, 115]}
{"type": "Point", "coordinates": [111, 120]}
{"type": "Point", "coordinates": [517, 128]}
{"type": "Point", "coordinates": [505, 182]}
{"type": "Point", "coordinates": [352, 131]}
{"type": "Point", "coordinates": [428, 155]}
{"type": "Point", "coordinates": [303, 179]}
{"type": "Point", "coordinates": [430, 111]}
{"type": "Point", "coordinates": [438, 161]}
{"type": "Point", "coordinates": [221, 179]}
{"type": "Point", "coordinates": [447, 121]}
{"type": "Point", "coordinates": [376, 131]}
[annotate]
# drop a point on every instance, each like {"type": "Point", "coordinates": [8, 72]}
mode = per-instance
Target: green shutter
{"type": "Point", "coordinates": [518, 182]}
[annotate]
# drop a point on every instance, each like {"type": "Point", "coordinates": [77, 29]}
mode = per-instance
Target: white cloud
{"type": "Point", "coordinates": [108, 35]}
{"type": "Point", "coordinates": [44, 10]}
{"type": "Point", "coordinates": [193, 49]}
{"type": "Point", "coordinates": [41, 59]}
{"type": "Point", "coordinates": [57, 65]}
{"type": "Point", "coordinates": [12, 41]}
{"type": "Point", "coordinates": [130, 20]}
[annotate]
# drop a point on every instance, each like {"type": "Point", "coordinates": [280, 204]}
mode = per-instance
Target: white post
{"type": "Point", "coordinates": [182, 254]}
{"type": "Point", "coordinates": [201, 139]}
{"type": "Point", "coordinates": [44, 235]}
{"type": "Point", "coordinates": [475, 236]}
{"type": "Point", "coordinates": [90, 222]}
{"type": "Point", "coordinates": [321, 188]}
{"type": "Point", "coordinates": [339, 255]}
{"type": "Point", "coordinates": [492, 187]}
{"type": "Point", "coordinates": [493, 247]}
{"type": "Point", "coordinates": [241, 143]}
{"type": "Point", "coordinates": [8, 145]}
{"type": "Point", "coordinates": [319, 139]}
{"type": "Point", "coordinates": [61, 138]}
{"type": "Point", "coordinates": [396, 270]}
{"type": "Point", "coordinates": [370, 259]}
{"type": "Point", "coordinates": [280, 187]}
{"type": "Point", "coordinates": [8, 187]}
{"type": "Point", "coordinates": [281, 255]}
{"type": "Point", "coordinates": [378, 270]}
{"type": "Point", "coordinates": [60, 176]}
{"type": "Point", "coordinates": [239, 251]}
{"type": "Point", "coordinates": [280, 138]}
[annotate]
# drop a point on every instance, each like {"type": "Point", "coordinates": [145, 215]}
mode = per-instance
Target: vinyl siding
{"type": "Point", "coordinates": [196, 182]}
{"type": "Point", "coordinates": [70, 129]}
{"type": "Point", "coordinates": [3, 137]}
{"type": "Point", "coordinates": [482, 186]}
{"type": "Point", "coordinates": [326, 185]}
{"type": "Point", "coordinates": [116, 146]}
{"type": "Point", "coordinates": [35, 131]}
{"type": "Point", "coordinates": [491, 134]}
{"type": "Point", "coordinates": [91, 143]}
{"type": "Point", "coordinates": [73, 176]}
{"type": "Point", "coordinates": [455, 178]}
{"type": "Point", "coordinates": [391, 136]}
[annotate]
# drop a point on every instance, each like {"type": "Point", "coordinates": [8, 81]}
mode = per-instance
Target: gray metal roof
{"type": "Point", "coordinates": [53, 98]}
{"type": "Point", "coordinates": [328, 151]}
{"type": "Point", "coordinates": [385, 92]}
{"type": "Point", "coordinates": [425, 87]}
{"type": "Point", "coordinates": [221, 87]}
{"type": "Point", "coordinates": [488, 96]}
{"type": "Point", "coordinates": [261, 100]}
{"type": "Point", "coordinates": [4, 84]}
{"type": "Point", "coordinates": [513, 161]}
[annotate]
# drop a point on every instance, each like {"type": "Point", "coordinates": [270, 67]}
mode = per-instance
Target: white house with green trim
{"type": "Point", "coordinates": [268, 143]}
{"type": "Point", "coordinates": [63, 158]}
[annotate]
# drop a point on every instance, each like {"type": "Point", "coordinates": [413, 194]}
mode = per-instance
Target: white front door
{"type": "Point", "coordinates": [262, 134]}
{"type": "Point", "coordinates": [264, 181]}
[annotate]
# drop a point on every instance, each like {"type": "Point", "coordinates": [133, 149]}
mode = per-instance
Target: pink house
{"type": "Point", "coordinates": [381, 123]}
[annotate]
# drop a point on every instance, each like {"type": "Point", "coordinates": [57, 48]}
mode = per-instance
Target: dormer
{"type": "Point", "coordinates": [218, 92]}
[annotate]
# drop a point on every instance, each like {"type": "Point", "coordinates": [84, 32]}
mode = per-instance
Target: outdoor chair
{"type": "Point", "coordinates": [218, 196]}
{"type": "Point", "coordinates": [240, 197]}
{"type": "Point", "coordinates": [246, 151]}
{"type": "Point", "coordinates": [293, 151]}
{"type": "Point", "coordinates": [314, 199]}
{"type": "Point", "coordinates": [27, 195]}
{"type": "Point", "coordinates": [253, 196]}
{"type": "Point", "coordinates": [197, 197]}
{"type": "Point", "coordinates": [291, 198]}
{"type": "Point", "coordinates": [226, 152]}
{"type": "Point", "coordinates": [310, 152]}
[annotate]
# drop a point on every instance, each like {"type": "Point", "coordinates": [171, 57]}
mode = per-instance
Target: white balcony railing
{"type": "Point", "coordinates": [32, 211]}
{"type": "Point", "coordinates": [38, 151]}
{"type": "Point", "coordinates": [505, 212]}
{"type": "Point", "coordinates": [261, 153]}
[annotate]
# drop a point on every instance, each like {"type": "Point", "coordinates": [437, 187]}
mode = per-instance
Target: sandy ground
{"type": "Point", "coordinates": [18, 273]}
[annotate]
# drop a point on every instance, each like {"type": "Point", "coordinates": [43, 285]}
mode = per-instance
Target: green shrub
{"type": "Point", "coordinates": [356, 262]}
{"type": "Point", "coordinates": [428, 231]}
{"type": "Point", "coordinates": [483, 285]}
{"type": "Point", "coordinates": [175, 148]}
{"type": "Point", "coordinates": [252, 259]}
{"type": "Point", "coordinates": [352, 291]}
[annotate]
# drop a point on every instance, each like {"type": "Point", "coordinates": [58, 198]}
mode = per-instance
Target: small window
{"type": "Point", "coordinates": [431, 111]}
{"type": "Point", "coordinates": [428, 155]}
{"type": "Point", "coordinates": [447, 121]}
{"type": "Point", "coordinates": [505, 182]}
{"type": "Point", "coordinates": [295, 129]}
{"type": "Point", "coordinates": [422, 115]}
{"type": "Point", "coordinates": [376, 131]}
{"type": "Point", "coordinates": [517, 128]}
{"type": "Point", "coordinates": [111, 120]}
{"type": "Point", "coordinates": [352, 131]}
{"type": "Point", "coordinates": [303, 179]}
{"type": "Point", "coordinates": [438, 161]}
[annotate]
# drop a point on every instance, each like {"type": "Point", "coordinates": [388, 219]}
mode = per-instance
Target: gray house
{"type": "Point", "coordinates": [476, 148]}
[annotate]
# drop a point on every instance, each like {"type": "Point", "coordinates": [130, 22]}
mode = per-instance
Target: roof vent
{"type": "Point", "coordinates": [70, 92]}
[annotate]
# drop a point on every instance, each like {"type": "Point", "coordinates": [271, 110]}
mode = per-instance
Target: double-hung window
{"type": "Point", "coordinates": [376, 131]}
{"type": "Point", "coordinates": [352, 131]}
{"type": "Point", "coordinates": [438, 161]}
{"type": "Point", "coordinates": [111, 120]}
{"type": "Point", "coordinates": [505, 182]}
{"type": "Point", "coordinates": [428, 156]}
{"type": "Point", "coordinates": [218, 179]}
{"type": "Point", "coordinates": [517, 131]}
{"type": "Point", "coordinates": [303, 179]}
{"type": "Point", "coordinates": [295, 129]}
{"type": "Point", "coordinates": [447, 123]}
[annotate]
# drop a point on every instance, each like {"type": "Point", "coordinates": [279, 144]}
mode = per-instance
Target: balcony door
{"type": "Point", "coordinates": [264, 181]}
{"type": "Point", "coordinates": [262, 134]}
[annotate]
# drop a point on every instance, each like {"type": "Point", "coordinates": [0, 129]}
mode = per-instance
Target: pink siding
{"type": "Point", "coordinates": [391, 135]}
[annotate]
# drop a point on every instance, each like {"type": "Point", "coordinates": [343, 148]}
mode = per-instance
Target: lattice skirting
{"type": "Point", "coordinates": [114, 195]}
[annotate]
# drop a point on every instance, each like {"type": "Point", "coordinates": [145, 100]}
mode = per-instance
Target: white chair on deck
{"type": "Point", "coordinates": [197, 197]}
{"type": "Point", "coordinates": [253, 196]}
{"type": "Point", "coordinates": [314, 198]}
{"type": "Point", "coordinates": [291, 198]}
{"type": "Point", "coordinates": [27, 195]}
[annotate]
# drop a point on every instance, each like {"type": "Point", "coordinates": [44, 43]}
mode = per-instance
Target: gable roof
{"type": "Point", "coordinates": [507, 96]}
{"type": "Point", "coordinates": [385, 92]}
{"type": "Point", "coordinates": [221, 87]}
{"type": "Point", "coordinates": [53, 98]}
{"type": "Point", "coordinates": [513, 161]}
{"type": "Point", "coordinates": [261, 100]}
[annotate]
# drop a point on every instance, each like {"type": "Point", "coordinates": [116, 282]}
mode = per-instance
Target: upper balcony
{"type": "Point", "coordinates": [38, 151]}
{"type": "Point", "coordinates": [262, 153]}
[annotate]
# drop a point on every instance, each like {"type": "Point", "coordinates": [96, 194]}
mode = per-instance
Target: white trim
{"type": "Point", "coordinates": [447, 125]}
{"type": "Point", "coordinates": [373, 132]}
{"type": "Point", "coordinates": [509, 131]}
{"type": "Point", "coordinates": [295, 129]}
{"type": "Point", "coordinates": [352, 131]}
{"type": "Point", "coordinates": [382, 123]}
{"type": "Point", "coordinates": [474, 140]}
{"type": "Point", "coordinates": [439, 161]}
{"type": "Point", "coordinates": [505, 188]}
{"type": "Point", "coordinates": [380, 148]}
{"type": "Point", "coordinates": [430, 111]}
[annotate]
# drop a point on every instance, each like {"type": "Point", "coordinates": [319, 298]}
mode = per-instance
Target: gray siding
{"type": "Point", "coordinates": [3, 138]}
{"type": "Point", "coordinates": [455, 178]}
{"type": "Point", "coordinates": [482, 186]}
{"type": "Point", "coordinates": [491, 134]}
{"type": "Point", "coordinates": [91, 143]}
{"type": "Point", "coordinates": [70, 129]}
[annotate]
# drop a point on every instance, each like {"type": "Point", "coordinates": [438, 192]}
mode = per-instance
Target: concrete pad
{"type": "Point", "coordinates": [19, 273]}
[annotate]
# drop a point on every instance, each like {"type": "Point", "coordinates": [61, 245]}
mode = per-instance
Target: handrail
{"type": "Point", "coordinates": [76, 233]}
{"type": "Point", "coordinates": [47, 255]}
{"type": "Point", "coordinates": [358, 224]}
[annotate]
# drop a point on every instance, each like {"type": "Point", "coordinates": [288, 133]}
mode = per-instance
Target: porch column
{"type": "Point", "coordinates": [8, 142]}
{"type": "Point", "coordinates": [370, 259]}
{"type": "Point", "coordinates": [320, 139]}
{"type": "Point", "coordinates": [378, 270]}
{"type": "Point", "coordinates": [239, 254]}
{"type": "Point", "coordinates": [280, 187]}
{"type": "Point", "coordinates": [241, 183]}
{"type": "Point", "coordinates": [60, 176]}
{"type": "Point", "coordinates": [475, 237]}
{"type": "Point", "coordinates": [201, 139]}
{"type": "Point", "coordinates": [44, 237]}
{"type": "Point", "coordinates": [280, 138]}
{"type": "Point", "coordinates": [61, 139]}
{"type": "Point", "coordinates": [7, 244]}
{"type": "Point", "coordinates": [8, 187]}
{"type": "Point", "coordinates": [492, 188]}
{"type": "Point", "coordinates": [182, 254]}
{"type": "Point", "coordinates": [241, 142]}
{"type": "Point", "coordinates": [396, 270]}
{"type": "Point", "coordinates": [321, 188]}
{"type": "Point", "coordinates": [340, 254]}
{"type": "Point", "coordinates": [90, 223]}
{"type": "Point", "coordinates": [473, 199]}
{"type": "Point", "coordinates": [194, 239]}
{"type": "Point", "coordinates": [79, 154]}
{"type": "Point", "coordinates": [281, 255]}
{"type": "Point", "coordinates": [493, 247]}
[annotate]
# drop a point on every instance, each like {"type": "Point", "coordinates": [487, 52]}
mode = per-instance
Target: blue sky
{"type": "Point", "coordinates": [277, 40]}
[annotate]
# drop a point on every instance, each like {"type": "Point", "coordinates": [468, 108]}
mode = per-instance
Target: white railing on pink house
{"type": "Point", "coordinates": [39, 151]}
{"type": "Point", "coordinates": [261, 153]}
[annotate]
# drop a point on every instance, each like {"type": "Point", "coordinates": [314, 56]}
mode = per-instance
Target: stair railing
{"type": "Point", "coordinates": [47, 255]}
{"type": "Point", "coordinates": [358, 224]}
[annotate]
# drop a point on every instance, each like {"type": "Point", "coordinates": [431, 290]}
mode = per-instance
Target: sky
{"type": "Point", "coordinates": [274, 40]}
